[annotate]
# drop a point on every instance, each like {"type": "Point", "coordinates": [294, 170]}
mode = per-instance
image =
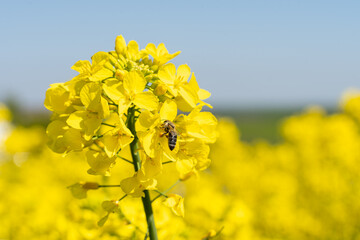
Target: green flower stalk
{"type": "Point", "coordinates": [137, 164]}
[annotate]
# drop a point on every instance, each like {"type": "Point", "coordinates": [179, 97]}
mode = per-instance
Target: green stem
{"type": "Point", "coordinates": [167, 162]}
{"type": "Point", "coordinates": [104, 186]}
{"type": "Point", "coordinates": [97, 137]}
{"type": "Point", "coordinates": [109, 125]}
{"type": "Point", "coordinates": [137, 164]}
{"type": "Point", "coordinates": [122, 197]}
{"type": "Point", "coordinates": [124, 159]}
{"type": "Point", "coordinates": [165, 192]}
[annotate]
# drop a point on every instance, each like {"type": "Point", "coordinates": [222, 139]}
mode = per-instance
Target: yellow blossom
{"type": "Point", "coordinates": [116, 139]}
{"type": "Point", "coordinates": [79, 190]}
{"type": "Point", "coordinates": [176, 203]}
{"type": "Point", "coordinates": [58, 98]}
{"type": "Point", "coordinates": [187, 94]}
{"type": "Point", "coordinates": [150, 131]}
{"type": "Point", "coordinates": [130, 51]}
{"type": "Point", "coordinates": [135, 185]}
{"type": "Point", "coordinates": [99, 69]}
{"type": "Point", "coordinates": [96, 108]}
{"type": "Point", "coordinates": [134, 85]}
{"type": "Point", "coordinates": [99, 162]}
{"type": "Point", "coordinates": [160, 53]}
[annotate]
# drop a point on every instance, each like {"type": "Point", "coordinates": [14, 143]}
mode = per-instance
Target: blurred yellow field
{"type": "Point", "coordinates": [306, 187]}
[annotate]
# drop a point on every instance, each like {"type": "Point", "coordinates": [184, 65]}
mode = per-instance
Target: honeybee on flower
{"type": "Point", "coordinates": [171, 133]}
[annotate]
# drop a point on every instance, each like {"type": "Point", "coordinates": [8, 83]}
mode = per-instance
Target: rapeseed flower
{"type": "Point", "coordinates": [122, 100]}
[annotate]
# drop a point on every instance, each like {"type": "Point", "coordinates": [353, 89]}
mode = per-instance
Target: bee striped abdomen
{"type": "Point", "coordinates": [172, 140]}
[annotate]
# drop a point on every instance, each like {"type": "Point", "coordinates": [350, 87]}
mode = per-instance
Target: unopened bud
{"type": "Point", "coordinates": [154, 68]}
{"type": "Point", "coordinates": [160, 90]}
{"type": "Point", "coordinates": [120, 74]}
{"type": "Point", "coordinates": [90, 185]}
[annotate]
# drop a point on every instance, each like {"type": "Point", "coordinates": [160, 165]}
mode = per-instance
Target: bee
{"type": "Point", "coordinates": [171, 133]}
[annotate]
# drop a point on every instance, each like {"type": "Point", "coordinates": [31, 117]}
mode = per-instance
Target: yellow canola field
{"type": "Point", "coordinates": [305, 187]}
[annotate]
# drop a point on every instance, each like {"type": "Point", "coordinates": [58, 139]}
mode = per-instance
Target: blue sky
{"type": "Point", "coordinates": [246, 53]}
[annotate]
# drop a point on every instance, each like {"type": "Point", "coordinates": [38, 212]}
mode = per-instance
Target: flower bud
{"type": "Point", "coordinates": [154, 68]}
{"type": "Point", "coordinates": [90, 185]}
{"type": "Point", "coordinates": [160, 90]}
{"type": "Point", "coordinates": [120, 74]}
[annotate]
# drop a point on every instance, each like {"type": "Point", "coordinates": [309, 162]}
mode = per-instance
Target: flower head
{"type": "Point", "coordinates": [131, 99]}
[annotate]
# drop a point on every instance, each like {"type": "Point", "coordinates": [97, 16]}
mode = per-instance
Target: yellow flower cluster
{"type": "Point", "coordinates": [124, 106]}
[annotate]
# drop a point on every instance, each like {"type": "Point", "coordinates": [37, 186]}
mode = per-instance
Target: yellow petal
{"type": "Point", "coordinates": [167, 74]}
{"type": "Point", "coordinates": [117, 139]}
{"type": "Point", "coordinates": [133, 49]}
{"type": "Point", "coordinates": [73, 139]}
{"type": "Point", "coordinates": [168, 110]}
{"type": "Point", "coordinates": [161, 50]}
{"type": "Point", "coordinates": [202, 125]}
{"type": "Point", "coordinates": [82, 66]}
{"type": "Point", "coordinates": [151, 49]}
{"type": "Point", "coordinates": [111, 145]}
{"type": "Point", "coordinates": [100, 164]}
{"type": "Point", "coordinates": [132, 186]}
{"type": "Point", "coordinates": [56, 128]}
{"type": "Point", "coordinates": [146, 120]}
{"type": "Point", "coordinates": [78, 191]}
{"type": "Point", "coordinates": [55, 131]}
{"type": "Point", "coordinates": [203, 94]}
{"type": "Point", "coordinates": [204, 118]}
{"type": "Point", "coordinates": [76, 119]}
{"type": "Point", "coordinates": [57, 98]}
{"type": "Point", "coordinates": [148, 141]}
{"type": "Point", "coordinates": [103, 109]}
{"type": "Point", "coordinates": [193, 83]}
{"type": "Point", "coordinates": [183, 73]}
{"type": "Point", "coordinates": [162, 55]}
{"type": "Point", "coordinates": [99, 58]}
{"type": "Point", "coordinates": [90, 94]}
{"type": "Point", "coordinates": [202, 103]}
{"type": "Point", "coordinates": [146, 100]}
{"type": "Point", "coordinates": [187, 99]}
{"type": "Point", "coordinates": [185, 166]}
{"type": "Point", "coordinates": [189, 95]}
{"type": "Point", "coordinates": [134, 82]}
{"type": "Point", "coordinates": [150, 184]}
{"type": "Point", "coordinates": [111, 206]}
{"type": "Point", "coordinates": [176, 203]}
{"type": "Point", "coordinates": [100, 72]}
{"type": "Point", "coordinates": [151, 166]}
{"type": "Point", "coordinates": [91, 125]}
{"type": "Point", "coordinates": [123, 105]}
{"type": "Point", "coordinates": [112, 89]}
